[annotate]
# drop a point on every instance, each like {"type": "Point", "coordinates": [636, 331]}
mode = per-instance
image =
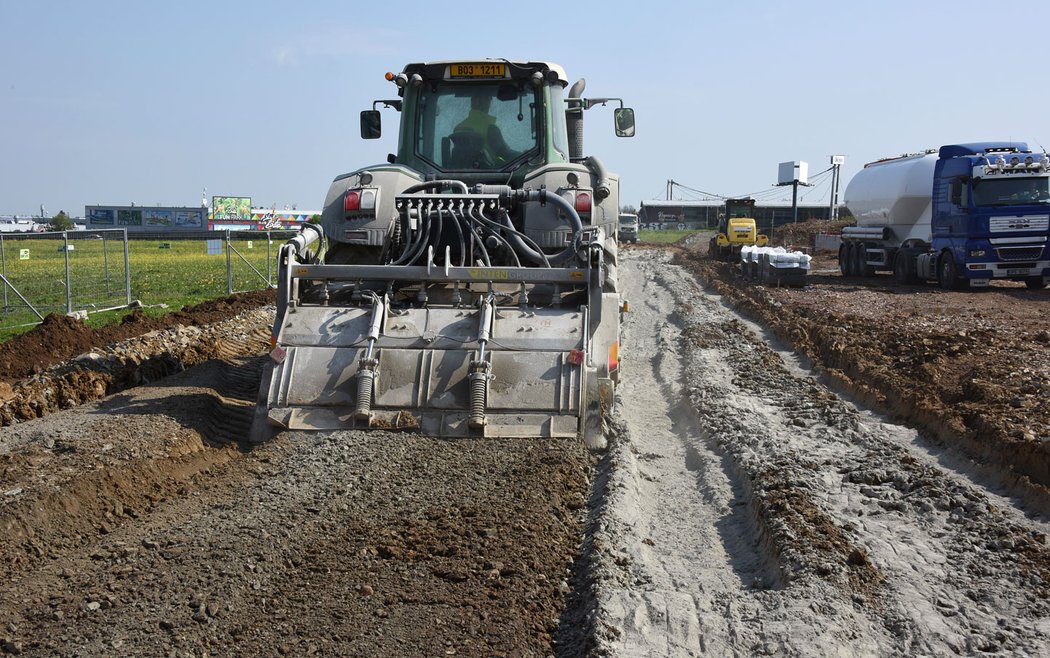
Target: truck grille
{"type": "Point", "coordinates": [1005, 224]}
{"type": "Point", "coordinates": [1019, 253]}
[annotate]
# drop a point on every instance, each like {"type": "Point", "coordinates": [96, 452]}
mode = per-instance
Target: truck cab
{"type": "Point", "coordinates": [991, 214]}
{"type": "Point", "coordinates": [628, 231]}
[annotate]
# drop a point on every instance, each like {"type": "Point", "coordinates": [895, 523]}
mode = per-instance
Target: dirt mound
{"type": "Point", "coordinates": [800, 235]}
{"type": "Point", "coordinates": [59, 337]}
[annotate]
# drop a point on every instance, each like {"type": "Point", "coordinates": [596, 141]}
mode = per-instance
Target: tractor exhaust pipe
{"type": "Point", "coordinates": [574, 120]}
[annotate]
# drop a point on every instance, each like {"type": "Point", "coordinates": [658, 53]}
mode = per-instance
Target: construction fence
{"type": "Point", "coordinates": [77, 272]}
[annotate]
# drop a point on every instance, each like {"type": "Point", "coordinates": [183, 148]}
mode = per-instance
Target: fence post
{"type": "Point", "coordinates": [127, 268]}
{"type": "Point", "coordinates": [229, 266]}
{"type": "Point", "coordinates": [3, 267]}
{"type": "Point", "coordinates": [268, 265]}
{"type": "Point", "coordinates": [69, 292]}
{"type": "Point", "coordinates": [105, 265]}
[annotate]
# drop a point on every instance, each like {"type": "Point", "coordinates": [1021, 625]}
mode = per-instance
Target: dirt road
{"type": "Point", "coordinates": [743, 507]}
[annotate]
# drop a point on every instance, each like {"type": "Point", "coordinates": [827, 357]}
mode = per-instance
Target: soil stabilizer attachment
{"type": "Point", "coordinates": [477, 358]}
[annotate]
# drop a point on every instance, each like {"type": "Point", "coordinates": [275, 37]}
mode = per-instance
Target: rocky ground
{"type": "Point", "coordinates": [849, 468]}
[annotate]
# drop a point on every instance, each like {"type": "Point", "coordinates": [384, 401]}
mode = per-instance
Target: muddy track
{"type": "Point", "coordinates": [744, 506]}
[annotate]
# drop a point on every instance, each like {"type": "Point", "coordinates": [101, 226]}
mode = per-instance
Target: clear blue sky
{"type": "Point", "coordinates": [147, 102]}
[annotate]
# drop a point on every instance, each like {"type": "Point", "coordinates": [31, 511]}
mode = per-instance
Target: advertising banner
{"type": "Point", "coordinates": [129, 217]}
{"type": "Point", "coordinates": [231, 207]}
{"type": "Point", "coordinates": [101, 215]}
{"type": "Point", "coordinates": [157, 217]}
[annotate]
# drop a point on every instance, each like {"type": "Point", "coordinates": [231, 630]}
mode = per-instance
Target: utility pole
{"type": "Point", "coordinates": [836, 164]}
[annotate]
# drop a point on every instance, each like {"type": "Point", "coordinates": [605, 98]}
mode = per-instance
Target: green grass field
{"type": "Point", "coordinates": [169, 272]}
{"type": "Point", "coordinates": [662, 237]}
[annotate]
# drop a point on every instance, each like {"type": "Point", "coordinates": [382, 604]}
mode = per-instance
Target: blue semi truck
{"type": "Point", "coordinates": [961, 216]}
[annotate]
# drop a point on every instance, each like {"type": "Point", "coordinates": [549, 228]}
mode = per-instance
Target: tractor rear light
{"type": "Point", "coordinates": [360, 200]}
{"type": "Point", "coordinates": [352, 201]}
{"type": "Point", "coordinates": [583, 202]}
{"type": "Point", "coordinates": [368, 199]}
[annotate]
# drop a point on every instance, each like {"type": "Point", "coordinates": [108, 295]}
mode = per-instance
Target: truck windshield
{"type": "Point", "coordinates": [1011, 191]}
{"type": "Point", "coordinates": [483, 126]}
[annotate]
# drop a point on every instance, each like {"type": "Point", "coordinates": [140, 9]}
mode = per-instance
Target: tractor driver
{"type": "Point", "coordinates": [488, 148]}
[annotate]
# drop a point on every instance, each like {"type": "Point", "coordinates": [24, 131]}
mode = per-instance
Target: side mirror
{"type": "Point", "coordinates": [371, 124]}
{"type": "Point", "coordinates": [956, 192]}
{"type": "Point", "coordinates": [623, 119]}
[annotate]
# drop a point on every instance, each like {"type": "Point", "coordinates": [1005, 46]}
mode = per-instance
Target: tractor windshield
{"type": "Point", "coordinates": [476, 126]}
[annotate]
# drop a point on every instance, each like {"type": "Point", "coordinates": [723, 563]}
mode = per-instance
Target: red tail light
{"type": "Point", "coordinates": [583, 202]}
{"type": "Point", "coordinates": [352, 201]}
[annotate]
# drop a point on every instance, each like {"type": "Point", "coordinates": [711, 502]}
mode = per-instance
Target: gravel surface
{"type": "Point", "coordinates": [753, 499]}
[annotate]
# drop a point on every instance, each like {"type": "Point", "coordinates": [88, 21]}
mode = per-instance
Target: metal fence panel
{"type": "Point", "coordinates": [61, 273]}
{"type": "Point", "coordinates": [101, 269]}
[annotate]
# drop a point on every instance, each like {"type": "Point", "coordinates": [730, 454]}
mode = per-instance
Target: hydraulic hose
{"type": "Point", "coordinates": [542, 196]}
{"type": "Point", "coordinates": [523, 243]}
{"type": "Point", "coordinates": [477, 214]}
{"type": "Point", "coordinates": [307, 235]}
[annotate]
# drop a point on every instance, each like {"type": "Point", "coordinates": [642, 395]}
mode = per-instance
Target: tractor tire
{"type": "Point", "coordinates": [1034, 283]}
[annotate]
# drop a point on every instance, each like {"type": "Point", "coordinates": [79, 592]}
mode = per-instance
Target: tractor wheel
{"type": "Point", "coordinates": [1034, 283]}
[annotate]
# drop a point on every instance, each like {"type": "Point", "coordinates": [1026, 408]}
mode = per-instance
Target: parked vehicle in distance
{"type": "Point", "coordinates": [628, 230]}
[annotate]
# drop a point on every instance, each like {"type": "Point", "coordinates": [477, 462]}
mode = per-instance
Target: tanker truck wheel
{"type": "Point", "coordinates": [844, 259]}
{"type": "Point", "coordinates": [904, 268]}
{"type": "Point", "coordinates": [857, 262]}
{"type": "Point", "coordinates": [947, 275]}
{"type": "Point", "coordinates": [1034, 283]}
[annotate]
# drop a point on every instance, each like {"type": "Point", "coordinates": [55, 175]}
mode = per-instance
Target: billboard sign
{"type": "Point", "coordinates": [231, 207]}
{"type": "Point", "coordinates": [101, 215]}
{"type": "Point", "coordinates": [129, 217]}
{"type": "Point", "coordinates": [157, 217]}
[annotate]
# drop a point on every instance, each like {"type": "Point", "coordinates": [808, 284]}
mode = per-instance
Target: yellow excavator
{"type": "Point", "coordinates": [736, 228]}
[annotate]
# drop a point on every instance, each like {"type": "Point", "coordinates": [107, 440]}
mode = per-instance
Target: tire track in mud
{"type": "Point", "coordinates": [680, 502]}
{"type": "Point", "coordinates": [956, 567]}
{"type": "Point", "coordinates": [872, 549]}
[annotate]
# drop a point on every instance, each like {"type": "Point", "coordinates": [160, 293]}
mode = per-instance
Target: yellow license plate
{"type": "Point", "coordinates": [478, 70]}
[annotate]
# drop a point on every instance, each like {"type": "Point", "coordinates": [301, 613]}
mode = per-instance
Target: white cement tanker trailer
{"type": "Point", "coordinates": [962, 215]}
